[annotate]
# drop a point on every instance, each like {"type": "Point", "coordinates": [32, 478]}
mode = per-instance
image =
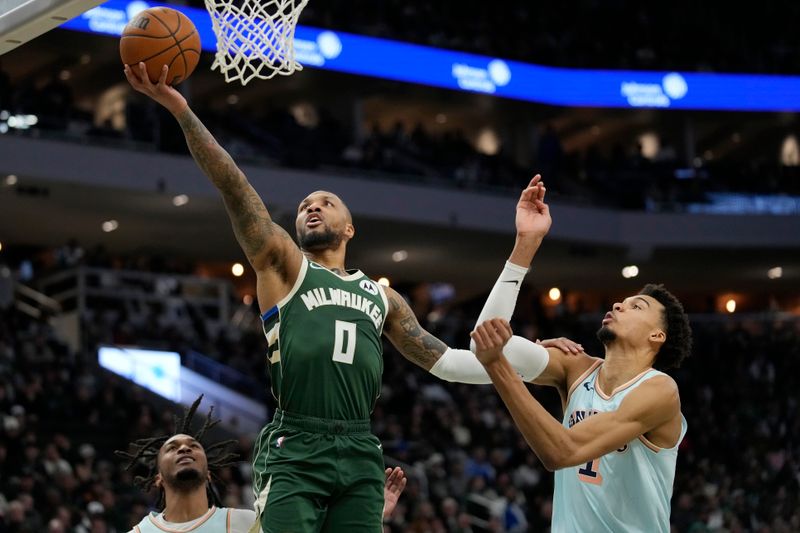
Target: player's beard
{"type": "Point", "coordinates": [606, 336]}
{"type": "Point", "coordinates": [186, 480]}
{"type": "Point", "coordinates": [314, 241]}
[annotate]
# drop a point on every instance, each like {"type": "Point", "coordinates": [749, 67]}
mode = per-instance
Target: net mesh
{"type": "Point", "coordinates": [255, 38]}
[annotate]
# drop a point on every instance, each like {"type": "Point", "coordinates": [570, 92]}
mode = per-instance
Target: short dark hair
{"type": "Point", "coordinates": [678, 345]}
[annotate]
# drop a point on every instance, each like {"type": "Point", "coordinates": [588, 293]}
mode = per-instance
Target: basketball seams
{"type": "Point", "coordinates": [177, 43]}
{"type": "Point", "coordinates": [185, 63]}
{"type": "Point", "coordinates": [180, 21]}
{"type": "Point", "coordinates": [144, 36]}
{"type": "Point", "coordinates": [185, 66]}
{"type": "Point", "coordinates": [183, 54]}
{"type": "Point", "coordinates": [146, 59]}
{"type": "Point", "coordinates": [172, 33]}
{"type": "Point", "coordinates": [169, 66]}
{"type": "Point", "coordinates": [161, 15]}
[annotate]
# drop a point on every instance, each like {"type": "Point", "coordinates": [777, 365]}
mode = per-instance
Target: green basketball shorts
{"type": "Point", "coordinates": [318, 475]}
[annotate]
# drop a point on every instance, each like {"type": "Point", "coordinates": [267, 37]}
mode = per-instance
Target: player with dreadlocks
{"type": "Point", "coordinates": [184, 470]}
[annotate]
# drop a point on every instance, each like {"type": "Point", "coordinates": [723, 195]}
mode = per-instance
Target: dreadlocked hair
{"type": "Point", "coordinates": [145, 452]}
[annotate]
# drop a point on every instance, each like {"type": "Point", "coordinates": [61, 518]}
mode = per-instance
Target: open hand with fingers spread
{"type": "Point", "coordinates": [395, 483]}
{"type": "Point", "coordinates": [533, 215]}
{"type": "Point", "coordinates": [160, 92]}
{"type": "Point", "coordinates": [490, 337]}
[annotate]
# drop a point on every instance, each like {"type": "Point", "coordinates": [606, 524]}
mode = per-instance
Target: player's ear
{"type": "Point", "coordinates": [159, 481]}
{"type": "Point", "coordinates": [658, 336]}
{"type": "Point", "coordinates": [349, 230]}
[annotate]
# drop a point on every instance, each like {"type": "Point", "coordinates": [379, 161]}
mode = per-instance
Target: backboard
{"type": "Point", "coordinates": [23, 20]}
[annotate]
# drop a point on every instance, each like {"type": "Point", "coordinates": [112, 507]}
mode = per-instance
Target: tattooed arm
{"type": "Point", "coordinates": [264, 242]}
{"type": "Point", "coordinates": [449, 364]}
{"type": "Point", "coordinates": [405, 333]}
{"type": "Point", "coordinates": [267, 246]}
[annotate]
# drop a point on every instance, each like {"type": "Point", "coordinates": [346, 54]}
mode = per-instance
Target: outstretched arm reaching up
{"type": "Point", "coordinates": [532, 223]}
{"type": "Point", "coordinates": [269, 249]}
{"type": "Point", "coordinates": [554, 361]}
{"type": "Point", "coordinates": [425, 350]}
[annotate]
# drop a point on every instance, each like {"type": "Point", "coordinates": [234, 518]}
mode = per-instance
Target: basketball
{"type": "Point", "coordinates": [161, 36]}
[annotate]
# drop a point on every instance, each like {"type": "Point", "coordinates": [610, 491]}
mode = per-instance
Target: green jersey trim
{"type": "Point", "coordinates": [301, 276]}
{"type": "Point", "coordinates": [351, 276]}
{"type": "Point", "coordinates": [385, 306]}
{"type": "Point", "coordinates": [273, 335]}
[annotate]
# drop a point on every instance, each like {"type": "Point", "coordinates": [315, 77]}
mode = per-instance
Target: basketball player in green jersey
{"type": "Point", "coordinates": [316, 466]}
{"type": "Point", "coordinates": [615, 450]}
{"type": "Point", "coordinates": [181, 467]}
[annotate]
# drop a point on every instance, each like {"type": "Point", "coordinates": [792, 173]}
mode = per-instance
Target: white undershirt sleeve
{"type": "Point", "coordinates": [528, 358]}
{"type": "Point", "coordinates": [503, 298]}
{"type": "Point", "coordinates": [461, 366]}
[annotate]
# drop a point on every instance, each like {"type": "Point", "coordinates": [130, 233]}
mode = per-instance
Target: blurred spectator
{"type": "Point", "coordinates": [70, 255]}
{"type": "Point", "coordinates": [739, 466]}
{"type": "Point", "coordinates": [55, 105]}
{"type": "Point", "coordinates": [313, 138]}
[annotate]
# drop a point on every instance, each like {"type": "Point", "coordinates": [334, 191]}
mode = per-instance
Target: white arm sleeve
{"type": "Point", "coordinates": [528, 358]}
{"type": "Point", "coordinates": [503, 298]}
{"type": "Point", "coordinates": [461, 366]}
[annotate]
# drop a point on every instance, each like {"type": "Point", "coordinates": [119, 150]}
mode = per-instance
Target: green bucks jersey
{"type": "Point", "coordinates": [325, 351]}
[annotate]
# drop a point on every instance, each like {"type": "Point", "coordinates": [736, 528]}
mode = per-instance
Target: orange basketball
{"type": "Point", "coordinates": [161, 36]}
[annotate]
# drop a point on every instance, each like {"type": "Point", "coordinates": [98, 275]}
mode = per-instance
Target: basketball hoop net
{"type": "Point", "coordinates": [255, 38]}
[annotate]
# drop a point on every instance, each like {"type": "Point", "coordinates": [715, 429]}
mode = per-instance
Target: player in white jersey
{"type": "Point", "coordinates": [182, 468]}
{"type": "Point", "coordinates": [615, 451]}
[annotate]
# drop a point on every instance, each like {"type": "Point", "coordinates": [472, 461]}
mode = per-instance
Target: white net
{"type": "Point", "coordinates": [255, 38]}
